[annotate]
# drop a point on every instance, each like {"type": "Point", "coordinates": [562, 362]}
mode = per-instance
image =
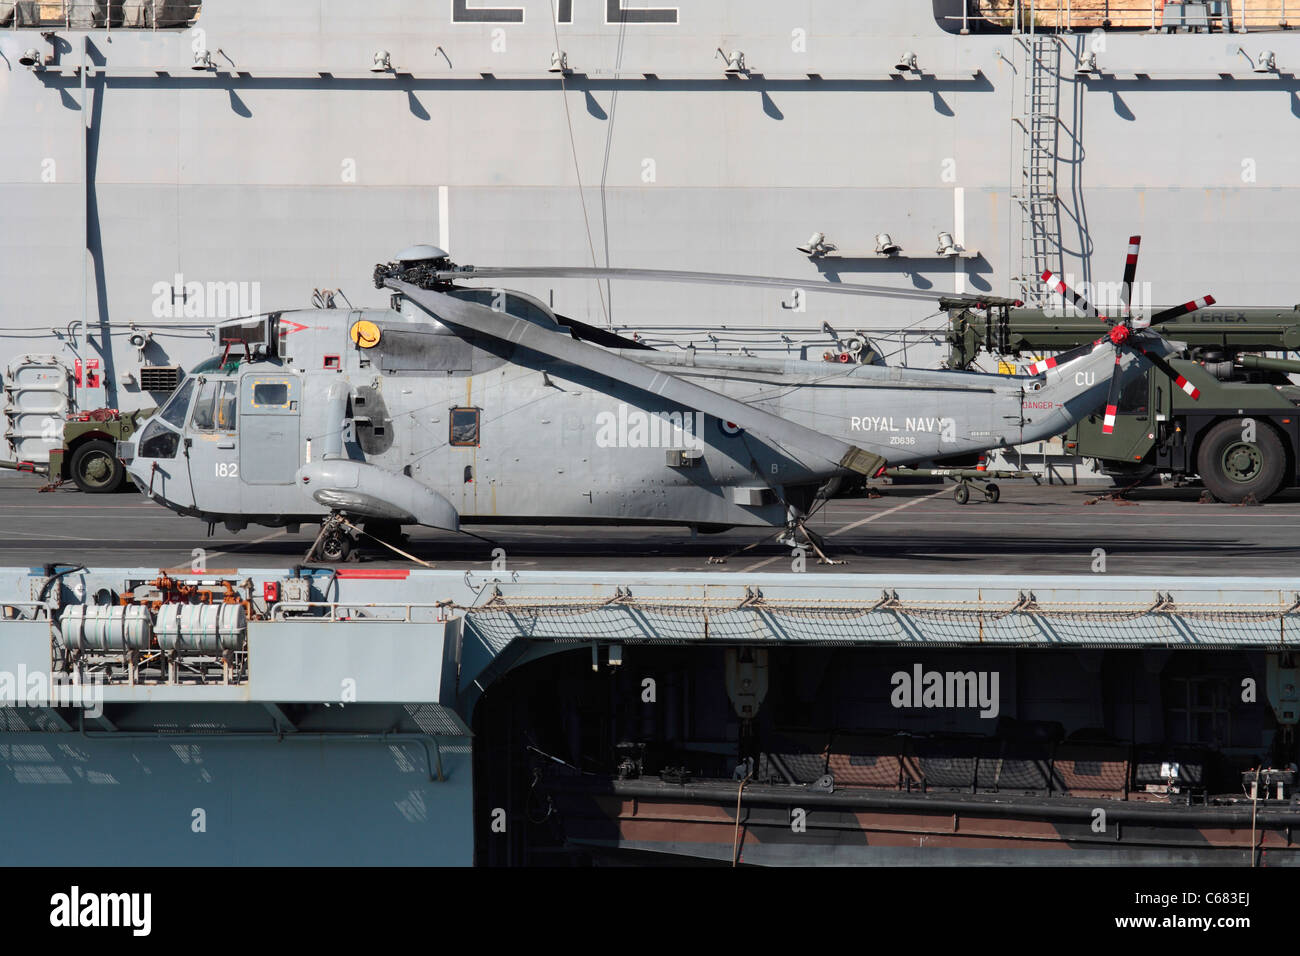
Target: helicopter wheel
{"type": "Point", "coordinates": [962, 493]}
{"type": "Point", "coordinates": [336, 546]}
{"type": "Point", "coordinates": [992, 493]}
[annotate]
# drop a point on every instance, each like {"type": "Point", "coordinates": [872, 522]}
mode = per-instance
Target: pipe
{"type": "Point", "coordinates": [336, 406]}
{"type": "Point", "coordinates": [36, 468]}
{"type": "Point", "coordinates": [85, 190]}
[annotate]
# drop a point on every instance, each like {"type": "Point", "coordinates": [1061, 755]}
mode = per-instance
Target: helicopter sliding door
{"type": "Point", "coordinates": [269, 445]}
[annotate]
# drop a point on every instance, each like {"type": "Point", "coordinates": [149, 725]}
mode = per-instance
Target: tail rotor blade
{"type": "Point", "coordinates": [1112, 399]}
{"type": "Point", "coordinates": [1057, 285]}
{"type": "Point", "coordinates": [1130, 270]}
{"type": "Point", "coordinates": [1042, 365]}
{"type": "Point", "coordinates": [1173, 313]}
{"type": "Point", "coordinates": [1193, 392]}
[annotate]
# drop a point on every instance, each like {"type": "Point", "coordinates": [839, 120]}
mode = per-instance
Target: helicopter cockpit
{"type": "Point", "coordinates": [230, 431]}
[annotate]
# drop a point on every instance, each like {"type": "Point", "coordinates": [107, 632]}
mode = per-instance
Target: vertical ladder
{"type": "Point", "coordinates": [1035, 191]}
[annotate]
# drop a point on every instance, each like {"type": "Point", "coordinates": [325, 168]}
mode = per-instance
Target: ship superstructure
{"type": "Point", "coordinates": [168, 165]}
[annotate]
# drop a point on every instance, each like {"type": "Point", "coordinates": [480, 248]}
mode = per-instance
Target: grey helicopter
{"type": "Point", "coordinates": [462, 404]}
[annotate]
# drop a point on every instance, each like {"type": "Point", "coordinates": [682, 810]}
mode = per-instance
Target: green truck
{"type": "Point", "coordinates": [1240, 437]}
{"type": "Point", "coordinates": [88, 456]}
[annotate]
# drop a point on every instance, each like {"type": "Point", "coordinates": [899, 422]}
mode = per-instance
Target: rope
{"type": "Point", "coordinates": [391, 547]}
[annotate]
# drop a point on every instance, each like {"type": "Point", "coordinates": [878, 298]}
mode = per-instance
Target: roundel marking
{"type": "Point", "coordinates": [730, 428]}
{"type": "Point", "coordinates": [365, 334]}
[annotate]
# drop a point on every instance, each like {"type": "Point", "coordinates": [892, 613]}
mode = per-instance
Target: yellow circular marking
{"type": "Point", "coordinates": [365, 334]}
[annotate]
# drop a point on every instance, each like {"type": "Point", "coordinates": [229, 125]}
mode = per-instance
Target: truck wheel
{"type": "Point", "coordinates": [1232, 468]}
{"type": "Point", "coordinates": [95, 467]}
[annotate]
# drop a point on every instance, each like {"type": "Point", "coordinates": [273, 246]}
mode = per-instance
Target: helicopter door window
{"type": "Point", "coordinates": [464, 426]}
{"type": "Point", "coordinates": [271, 394]}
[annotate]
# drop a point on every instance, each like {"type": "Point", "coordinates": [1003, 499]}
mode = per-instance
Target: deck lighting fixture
{"type": "Point", "coordinates": [817, 245]}
{"type": "Point", "coordinates": [735, 61]}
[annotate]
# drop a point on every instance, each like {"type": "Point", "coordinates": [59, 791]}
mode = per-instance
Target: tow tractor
{"type": "Point", "coordinates": [88, 455]}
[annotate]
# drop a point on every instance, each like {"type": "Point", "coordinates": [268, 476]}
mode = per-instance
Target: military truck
{"type": "Point", "coordinates": [1239, 436]}
{"type": "Point", "coordinates": [88, 456]}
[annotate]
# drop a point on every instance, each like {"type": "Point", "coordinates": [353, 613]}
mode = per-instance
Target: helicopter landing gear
{"type": "Point", "coordinates": [334, 543]}
{"type": "Point", "coordinates": [810, 540]}
{"type": "Point", "coordinates": [336, 546]}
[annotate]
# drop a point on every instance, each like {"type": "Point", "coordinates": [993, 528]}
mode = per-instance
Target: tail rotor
{"type": "Point", "coordinates": [1121, 333]}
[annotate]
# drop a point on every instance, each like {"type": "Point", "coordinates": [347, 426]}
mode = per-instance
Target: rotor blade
{"type": "Point", "coordinates": [589, 333]}
{"type": "Point", "coordinates": [1112, 399]}
{"type": "Point", "coordinates": [1175, 312]}
{"type": "Point", "coordinates": [515, 331]}
{"type": "Point", "coordinates": [1042, 365]}
{"type": "Point", "coordinates": [1130, 270]}
{"type": "Point", "coordinates": [1173, 373]}
{"type": "Point", "coordinates": [1057, 285]}
{"type": "Point", "coordinates": [707, 278]}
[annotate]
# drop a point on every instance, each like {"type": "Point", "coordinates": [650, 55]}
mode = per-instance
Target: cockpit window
{"type": "Point", "coordinates": [174, 413]}
{"type": "Point", "coordinates": [158, 441]}
{"type": "Point", "coordinates": [214, 409]}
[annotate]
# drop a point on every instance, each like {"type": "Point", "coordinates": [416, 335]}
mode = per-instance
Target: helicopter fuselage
{"type": "Point", "coordinates": [502, 433]}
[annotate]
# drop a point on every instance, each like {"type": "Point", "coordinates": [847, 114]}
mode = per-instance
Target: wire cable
{"type": "Point", "coordinates": [577, 171]}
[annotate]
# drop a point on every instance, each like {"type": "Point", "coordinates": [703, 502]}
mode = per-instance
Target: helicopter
{"type": "Point", "coordinates": [463, 404]}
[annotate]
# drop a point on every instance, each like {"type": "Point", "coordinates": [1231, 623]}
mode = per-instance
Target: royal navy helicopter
{"type": "Point", "coordinates": [464, 404]}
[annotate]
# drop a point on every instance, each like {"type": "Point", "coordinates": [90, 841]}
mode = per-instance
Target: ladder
{"type": "Point", "coordinates": [1035, 190]}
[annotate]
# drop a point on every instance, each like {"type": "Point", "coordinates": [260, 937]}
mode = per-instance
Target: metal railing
{"type": "Point", "coordinates": [382, 612]}
{"type": "Point", "coordinates": [99, 14]}
{"type": "Point", "coordinates": [1028, 16]}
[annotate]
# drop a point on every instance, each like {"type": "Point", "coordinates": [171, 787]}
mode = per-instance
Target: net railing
{"type": "Point", "coordinates": [886, 620]}
{"type": "Point", "coordinates": [99, 14]}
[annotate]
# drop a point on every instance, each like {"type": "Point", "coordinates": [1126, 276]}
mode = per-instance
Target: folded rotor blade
{"type": "Point", "coordinates": [707, 278]}
{"type": "Point", "coordinates": [508, 328]}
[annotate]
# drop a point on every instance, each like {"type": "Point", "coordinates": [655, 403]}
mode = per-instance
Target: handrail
{"type": "Point", "coordinates": [279, 608]}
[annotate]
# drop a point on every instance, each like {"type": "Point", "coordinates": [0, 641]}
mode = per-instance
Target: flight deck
{"type": "Point", "coordinates": [912, 529]}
